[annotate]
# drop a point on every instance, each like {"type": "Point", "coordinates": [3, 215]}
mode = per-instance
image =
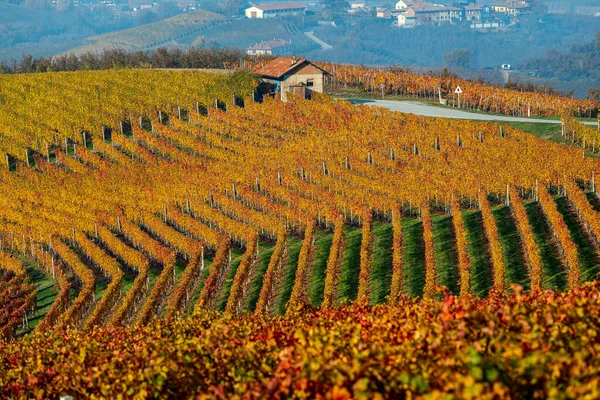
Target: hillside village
{"type": "Point", "coordinates": [409, 13]}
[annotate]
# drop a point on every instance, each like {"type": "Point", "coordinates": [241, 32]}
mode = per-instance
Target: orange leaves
{"type": "Point", "coordinates": [397, 286]}
{"type": "Point", "coordinates": [464, 263]}
{"type": "Point", "coordinates": [366, 258]}
{"type": "Point", "coordinates": [217, 268]}
{"type": "Point", "coordinates": [491, 231]}
{"type": "Point", "coordinates": [568, 249]}
{"type": "Point", "coordinates": [237, 294]}
{"type": "Point", "coordinates": [334, 265]}
{"type": "Point", "coordinates": [475, 95]}
{"type": "Point", "coordinates": [270, 282]}
{"type": "Point", "coordinates": [305, 260]}
{"type": "Point", "coordinates": [531, 250]}
{"type": "Point", "coordinates": [459, 348]}
{"type": "Point", "coordinates": [429, 290]}
{"type": "Point", "coordinates": [76, 312]}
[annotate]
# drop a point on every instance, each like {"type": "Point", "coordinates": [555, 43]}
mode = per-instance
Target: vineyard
{"type": "Point", "coordinates": [148, 196]}
{"type": "Point", "coordinates": [475, 95]}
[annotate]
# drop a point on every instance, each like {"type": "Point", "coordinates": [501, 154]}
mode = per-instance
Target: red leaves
{"type": "Point", "coordinates": [498, 345]}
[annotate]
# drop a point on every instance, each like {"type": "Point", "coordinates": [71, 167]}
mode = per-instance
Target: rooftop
{"type": "Point", "coordinates": [283, 65]}
{"type": "Point", "coordinates": [280, 66]}
{"type": "Point", "coordinates": [270, 44]}
{"type": "Point", "coordinates": [282, 6]}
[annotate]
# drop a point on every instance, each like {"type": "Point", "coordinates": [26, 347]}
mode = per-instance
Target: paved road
{"type": "Point", "coordinates": [324, 46]}
{"type": "Point", "coordinates": [443, 112]}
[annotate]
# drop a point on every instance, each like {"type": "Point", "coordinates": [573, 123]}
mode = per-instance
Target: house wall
{"type": "Point", "coordinates": [283, 13]}
{"type": "Point", "coordinates": [404, 22]}
{"type": "Point", "coordinates": [260, 52]}
{"type": "Point", "coordinates": [301, 77]}
{"type": "Point", "coordinates": [254, 12]}
{"type": "Point", "coordinates": [401, 5]}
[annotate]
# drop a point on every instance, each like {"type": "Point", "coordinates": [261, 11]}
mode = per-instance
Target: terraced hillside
{"type": "Point", "coordinates": [140, 211]}
{"type": "Point", "coordinates": [163, 32]}
{"type": "Point", "coordinates": [136, 196]}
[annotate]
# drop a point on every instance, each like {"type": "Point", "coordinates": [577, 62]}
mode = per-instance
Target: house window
{"type": "Point", "coordinates": [310, 82]}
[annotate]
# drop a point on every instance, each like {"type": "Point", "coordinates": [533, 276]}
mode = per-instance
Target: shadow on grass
{"type": "Point", "coordinates": [316, 283]}
{"type": "Point", "coordinates": [477, 247]}
{"type": "Point", "coordinates": [553, 274]}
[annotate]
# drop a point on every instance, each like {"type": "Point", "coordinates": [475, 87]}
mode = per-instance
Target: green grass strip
{"type": "Point", "coordinates": [348, 287]}
{"type": "Point", "coordinates": [381, 273]}
{"type": "Point", "coordinates": [477, 246]}
{"type": "Point", "coordinates": [208, 260]}
{"type": "Point", "coordinates": [587, 252]}
{"type": "Point", "coordinates": [446, 257]}
{"type": "Point", "coordinates": [553, 274]}
{"type": "Point", "coordinates": [413, 258]}
{"type": "Point", "coordinates": [316, 283]}
{"type": "Point", "coordinates": [236, 259]}
{"type": "Point", "coordinates": [594, 200]}
{"type": "Point", "coordinates": [510, 241]}
{"type": "Point", "coordinates": [289, 274]}
{"type": "Point", "coordinates": [264, 256]}
{"type": "Point", "coordinates": [46, 291]}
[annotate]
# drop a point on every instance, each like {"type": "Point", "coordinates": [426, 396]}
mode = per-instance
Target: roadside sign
{"type": "Point", "coordinates": [458, 90]}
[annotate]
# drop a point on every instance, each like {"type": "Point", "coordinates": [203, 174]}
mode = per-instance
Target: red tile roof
{"type": "Point", "coordinates": [283, 65]}
{"type": "Point", "coordinates": [275, 7]}
{"type": "Point", "coordinates": [280, 66]}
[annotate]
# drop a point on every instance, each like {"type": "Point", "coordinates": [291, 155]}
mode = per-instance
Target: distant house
{"type": "Point", "coordinates": [407, 20]}
{"type": "Point", "coordinates": [596, 14]}
{"type": "Point", "coordinates": [511, 7]}
{"type": "Point", "coordinates": [275, 10]}
{"type": "Point", "coordinates": [404, 4]}
{"type": "Point", "coordinates": [421, 13]}
{"type": "Point", "coordinates": [427, 13]}
{"type": "Point", "coordinates": [270, 47]}
{"type": "Point", "coordinates": [384, 13]}
{"type": "Point", "coordinates": [476, 12]}
{"type": "Point", "coordinates": [293, 75]}
{"type": "Point", "coordinates": [358, 4]}
{"type": "Point", "coordinates": [518, 7]}
{"type": "Point", "coordinates": [487, 25]}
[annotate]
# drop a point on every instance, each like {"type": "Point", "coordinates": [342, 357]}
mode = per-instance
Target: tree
{"type": "Point", "coordinates": [594, 94]}
{"type": "Point", "coordinates": [458, 58]}
{"type": "Point", "coordinates": [234, 7]}
{"type": "Point", "coordinates": [335, 5]}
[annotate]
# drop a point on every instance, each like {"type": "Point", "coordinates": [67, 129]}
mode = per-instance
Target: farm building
{"type": "Point", "coordinates": [270, 47]}
{"type": "Point", "coordinates": [384, 13]}
{"type": "Point", "coordinates": [275, 10]}
{"type": "Point", "coordinates": [512, 7]}
{"type": "Point", "coordinates": [404, 4]}
{"type": "Point", "coordinates": [293, 75]}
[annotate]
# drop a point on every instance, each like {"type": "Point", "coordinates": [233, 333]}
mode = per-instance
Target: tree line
{"type": "Point", "coordinates": [119, 58]}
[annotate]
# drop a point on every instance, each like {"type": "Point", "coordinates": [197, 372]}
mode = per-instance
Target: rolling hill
{"type": "Point", "coordinates": [151, 35]}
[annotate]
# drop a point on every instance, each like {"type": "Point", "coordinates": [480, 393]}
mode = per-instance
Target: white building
{"type": "Point", "coordinates": [275, 10]}
{"type": "Point", "coordinates": [404, 4]}
{"type": "Point", "coordinates": [357, 4]}
{"type": "Point", "coordinates": [407, 20]}
{"type": "Point", "coordinates": [270, 47]}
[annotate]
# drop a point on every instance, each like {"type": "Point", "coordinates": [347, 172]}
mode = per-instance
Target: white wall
{"type": "Point", "coordinates": [258, 11]}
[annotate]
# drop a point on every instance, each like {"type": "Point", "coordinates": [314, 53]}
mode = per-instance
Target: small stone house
{"type": "Point", "coordinates": [293, 75]}
{"type": "Point", "coordinates": [384, 13]}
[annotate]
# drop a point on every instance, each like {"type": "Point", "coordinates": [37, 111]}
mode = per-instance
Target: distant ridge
{"type": "Point", "coordinates": [147, 36]}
